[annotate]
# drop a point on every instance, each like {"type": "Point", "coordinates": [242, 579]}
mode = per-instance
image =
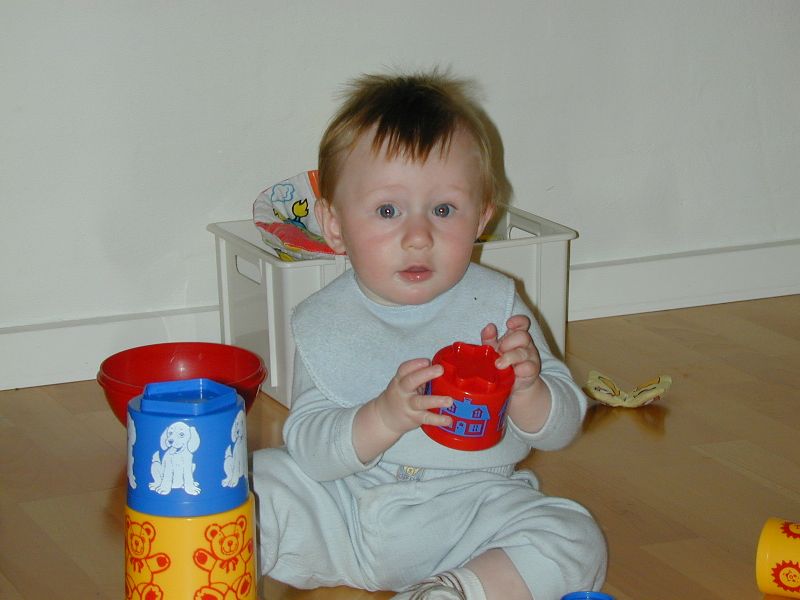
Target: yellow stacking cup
{"type": "Point", "coordinates": [212, 556]}
{"type": "Point", "coordinates": [778, 558]}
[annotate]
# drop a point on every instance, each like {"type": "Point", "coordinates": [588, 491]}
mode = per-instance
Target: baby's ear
{"type": "Point", "coordinates": [328, 220]}
{"type": "Point", "coordinates": [486, 216]}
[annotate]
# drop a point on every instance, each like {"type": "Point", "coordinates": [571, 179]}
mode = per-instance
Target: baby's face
{"type": "Point", "coordinates": [408, 227]}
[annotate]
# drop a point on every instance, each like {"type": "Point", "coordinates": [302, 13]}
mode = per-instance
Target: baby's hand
{"type": "Point", "coordinates": [516, 349]}
{"type": "Point", "coordinates": [403, 405]}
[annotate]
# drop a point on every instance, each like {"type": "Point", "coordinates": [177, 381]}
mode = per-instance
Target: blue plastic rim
{"type": "Point", "coordinates": [187, 449]}
{"type": "Point", "coordinates": [587, 596]}
{"type": "Point", "coordinates": [190, 397]}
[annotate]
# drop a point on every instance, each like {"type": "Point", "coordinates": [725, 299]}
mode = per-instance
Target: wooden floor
{"type": "Point", "coordinates": [681, 488]}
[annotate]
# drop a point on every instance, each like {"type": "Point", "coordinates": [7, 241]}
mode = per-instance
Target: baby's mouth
{"type": "Point", "coordinates": [416, 273]}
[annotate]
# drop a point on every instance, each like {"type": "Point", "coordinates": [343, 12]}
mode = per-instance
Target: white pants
{"type": "Point", "coordinates": [374, 532]}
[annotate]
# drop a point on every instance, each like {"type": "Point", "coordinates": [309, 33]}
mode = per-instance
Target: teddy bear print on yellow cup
{"type": "Point", "coordinates": [190, 516]}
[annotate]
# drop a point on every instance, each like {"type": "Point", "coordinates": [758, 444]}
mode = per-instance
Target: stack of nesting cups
{"type": "Point", "coordinates": [190, 515]}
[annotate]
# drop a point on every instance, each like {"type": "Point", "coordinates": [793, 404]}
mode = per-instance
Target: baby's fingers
{"type": "Point", "coordinates": [430, 406]}
{"type": "Point", "coordinates": [489, 335]}
{"type": "Point", "coordinates": [518, 323]}
{"type": "Point", "coordinates": [436, 420]}
{"type": "Point", "coordinates": [527, 369]}
{"type": "Point", "coordinates": [415, 364]}
{"type": "Point", "coordinates": [414, 374]}
{"type": "Point", "coordinates": [424, 402]}
{"type": "Point", "coordinates": [514, 340]}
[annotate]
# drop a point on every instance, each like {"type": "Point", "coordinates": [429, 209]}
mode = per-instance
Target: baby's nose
{"type": "Point", "coordinates": [417, 233]}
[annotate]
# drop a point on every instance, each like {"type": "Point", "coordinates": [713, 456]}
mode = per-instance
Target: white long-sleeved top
{"type": "Point", "coordinates": [349, 348]}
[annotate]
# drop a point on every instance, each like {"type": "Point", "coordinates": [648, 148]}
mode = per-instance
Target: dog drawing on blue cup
{"type": "Point", "coordinates": [175, 469]}
{"type": "Point", "coordinates": [235, 463]}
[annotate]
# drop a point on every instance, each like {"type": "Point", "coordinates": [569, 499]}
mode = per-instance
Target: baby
{"type": "Point", "coordinates": [360, 496]}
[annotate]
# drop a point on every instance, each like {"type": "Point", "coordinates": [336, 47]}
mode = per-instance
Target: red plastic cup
{"type": "Point", "coordinates": [480, 395]}
{"type": "Point", "coordinates": [124, 375]}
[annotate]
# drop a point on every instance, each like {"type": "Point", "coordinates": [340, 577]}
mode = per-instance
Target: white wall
{"type": "Point", "coordinates": [660, 130]}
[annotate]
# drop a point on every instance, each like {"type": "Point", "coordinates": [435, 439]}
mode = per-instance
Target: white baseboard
{"type": "Point", "coordinates": [73, 350]}
{"type": "Point", "coordinates": [686, 279]}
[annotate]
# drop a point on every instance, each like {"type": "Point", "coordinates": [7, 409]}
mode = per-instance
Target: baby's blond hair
{"type": "Point", "coordinates": [412, 115]}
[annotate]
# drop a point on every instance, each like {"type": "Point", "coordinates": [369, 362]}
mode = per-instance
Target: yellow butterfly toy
{"type": "Point", "coordinates": [603, 389]}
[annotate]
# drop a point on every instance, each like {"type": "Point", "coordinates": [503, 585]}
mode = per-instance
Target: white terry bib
{"type": "Point", "coordinates": [351, 346]}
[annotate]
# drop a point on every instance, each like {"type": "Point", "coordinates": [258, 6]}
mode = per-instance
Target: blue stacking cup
{"type": "Point", "coordinates": [587, 596]}
{"type": "Point", "coordinates": [187, 449]}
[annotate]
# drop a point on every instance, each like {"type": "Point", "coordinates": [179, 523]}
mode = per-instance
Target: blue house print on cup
{"type": "Point", "coordinates": [468, 420]}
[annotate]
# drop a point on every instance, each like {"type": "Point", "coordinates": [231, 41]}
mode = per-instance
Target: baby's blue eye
{"type": "Point", "coordinates": [387, 211]}
{"type": "Point", "coordinates": [443, 210]}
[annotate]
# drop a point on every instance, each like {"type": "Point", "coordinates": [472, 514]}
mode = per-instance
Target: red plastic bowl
{"type": "Point", "coordinates": [124, 375]}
